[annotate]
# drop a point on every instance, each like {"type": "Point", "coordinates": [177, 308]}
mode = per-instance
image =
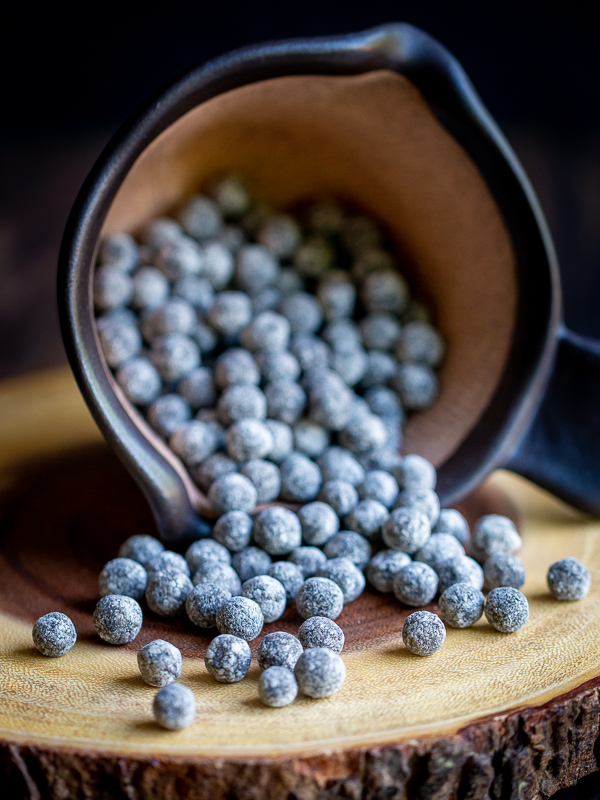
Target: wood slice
{"type": "Point", "coordinates": [490, 715]}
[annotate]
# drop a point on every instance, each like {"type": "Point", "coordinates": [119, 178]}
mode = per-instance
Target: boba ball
{"type": "Point", "coordinates": [423, 633]}
{"type": "Point", "coordinates": [367, 518]}
{"type": "Point", "coordinates": [113, 288]}
{"type": "Point", "coordinates": [174, 707]}
{"type": "Point", "coordinates": [417, 386]}
{"type": "Point", "coordinates": [278, 365]}
{"type": "Point", "coordinates": [310, 439]}
{"type": "Point", "coordinates": [502, 570]}
{"type": "Point", "coordinates": [426, 501]}
{"type": "Point", "coordinates": [248, 439]}
{"type": "Point", "coordinates": [452, 521]}
{"type": "Point", "coordinates": [349, 544]}
{"type": "Point", "coordinates": [166, 593]}
{"type": "Point", "coordinates": [281, 234]}
{"type": "Point", "coordinates": [461, 605]}
{"type": "Point", "coordinates": [337, 463]}
{"type": "Point", "coordinates": [141, 548]}
{"type": "Point", "coordinates": [380, 369]}
{"type": "Point", "coordinates": [384, 402]}
{"type": "Point", "coordinates": [439, 548]}
{"type": "Point", "coordinates": [232, 492]}
{"type": "Point", "coordinates": [256, 268]}
{"type": "Point", "coordinates": [277, 687]}
{"type": "Point", "coordinates": [120, 340]}
{"type": "Point", "coordinates": [266, 478]}
{"type": "Point", "coordinates": [54, 634]}
{"type": "Point", "coordinates": [340, 495]}
{"type": "Point", "coordinates": [285, 401]}
{"type": "Point", "coordinates": [495, 534]}
{"type": "Point", "coordinates": [321, 632]}
{"type": "Point", "coordinates": [117, 619]}
{"type": "Point", "coordinates": [300, 478]}
{"type": "Point", "coordinates": [568, 579]}
{"type": "Point", "coordinates": [283, 440]}
{"type": "Point", "coordinates": [222, 574]}
{"type": "Point", "coordinates": [198, 388]}
{"type": "Point", "coordinates": [380, 331]}
{"type": "Point", "coordinates": [331, 404]}
{"type": "Point", "coordinates": [268, 331]}
{"type": "Point", "coordinates": [506, 609]}
{"type": "Point", "coordinates": [123, 576]}
{"type": "Point", "coordinates": [206, 473]}
{"type": "Point", "coordinates": [385, 291]}
{"type": "Point", "coordinates": [241, 401]}
{"type": "Point", "coordinates": [167, 413]}
{"type": "Point", "coordinates": [320, 672]}
{"type": "Point", "coordinates": [461, 569]}
{"type": "Point", "coordinates": [231, 195]}
{"type": "Point", "coordinates": [193, 442]}
{"type": "Point", "coordinates": [231, 312]}
{"type": "Point", "coordinates": [120, 250]}
{"type": "Point", "coordinates": [379, 485]}
{"type": "Point", "coordinates": [201, 218]}
{"type": "Point", "coordinates": [268, 593]}
{"type": "Point", "coordinates": [167, 561]}
{"type": "Point", "coordinates": [383, 568]}
{"type": "Point", "coordinates": [406, 529]}
{"type": "Point", "coordinates": [162, 230]}
{"type": "Point", "coordinates": [290, 577]}
{"type": "Point", "coordinates": [308, 559]}
{"type": "Point", "coordinates": [364, 433]}
{"type": "Point", "coordinates": [227, 658]}
{"type": "Point", "coordinates": [233, 530]}
{"type": "Point", "coordinates": [416, 472]}
{"type": "Point", "coordinates": [319, 522]}
{"type": "Point", "coordinates": [279, 649]}
{"type": "Point", "coordinates": [206, 550]}
{"type": "Point", "coordinates": [180, 258]}
{"type": "Point", "coordinates": [420, 343]}
{"type": "Point", "coordinates": [240, 617]}
{"type": "Point", "coordinates": [415, 584]}
{"type": "Point", "coordinates": [234, 366]}
{"type": "Point", "coordinates": [251, 561]}
{"type": "Point", "coordinates": [218, 264]}
{"type": "Point", "coordinates": [319, 597]}
{"type": "Point", "coordinates": [203, 602]}
{"type": "Point", "coordinates": [277, 530]}
{"type": "Point", "coordinates": [139, 381]}
{"type": "Point", "coordinates": [197, 291]}
{"type": "Point", "coordinates": [346, 574]}
{"type": "Point", "coordinates": [160, 663]}
{"type": "Point", "coordinates": [303, 312]}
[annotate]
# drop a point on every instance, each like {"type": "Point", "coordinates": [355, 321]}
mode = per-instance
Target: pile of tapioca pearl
{"type": "Point", "coordinates": [266, 348]}
{"type": "Point", "coordinates": [279, 356]}
{"type": "Point", "coordinates": [225, 583]}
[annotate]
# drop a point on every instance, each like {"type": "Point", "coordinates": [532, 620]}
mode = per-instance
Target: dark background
{"type": "Point", "coordinates": [70, 78]}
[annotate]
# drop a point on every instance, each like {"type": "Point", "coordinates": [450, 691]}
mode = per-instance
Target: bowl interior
{"type": "Point", "coordinates": [370, 140]}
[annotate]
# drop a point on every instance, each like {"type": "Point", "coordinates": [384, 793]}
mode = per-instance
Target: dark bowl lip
{"type": "Point", "coordinates": [399, 47]}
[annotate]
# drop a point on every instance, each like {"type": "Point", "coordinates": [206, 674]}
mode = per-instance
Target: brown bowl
{"type": "Point", "coordinates": [387, 121]}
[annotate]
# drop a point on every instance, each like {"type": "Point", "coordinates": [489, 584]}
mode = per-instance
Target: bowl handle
{"type": "Point", "coordinates": [561, 449]}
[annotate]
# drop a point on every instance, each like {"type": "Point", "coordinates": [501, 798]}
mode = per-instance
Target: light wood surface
{"type": "Point", "coordinates": [65, 504]}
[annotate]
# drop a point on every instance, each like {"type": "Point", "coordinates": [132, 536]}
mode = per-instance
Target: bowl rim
{"type": "Point", "coordinates": [398, 47]}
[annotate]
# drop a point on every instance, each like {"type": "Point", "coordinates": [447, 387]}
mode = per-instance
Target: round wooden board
{"type": "Point", "coordinates": [490, 715]}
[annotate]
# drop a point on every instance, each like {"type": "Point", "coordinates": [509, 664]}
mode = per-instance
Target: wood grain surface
{"type": "Point", "coordinates": [490, 715]}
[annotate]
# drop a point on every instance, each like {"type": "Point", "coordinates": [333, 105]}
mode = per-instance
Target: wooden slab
{"type": "Point", "coordinates": [489, 716]}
